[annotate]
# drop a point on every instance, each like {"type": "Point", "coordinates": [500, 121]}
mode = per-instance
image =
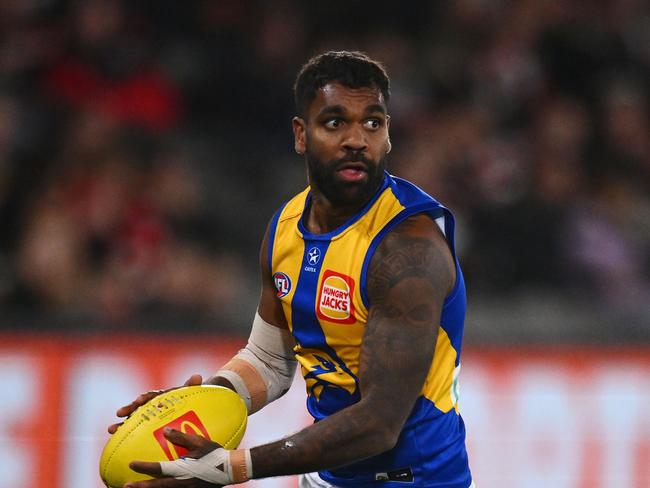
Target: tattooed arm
{"type": "Point", "coordinates": [409, 277]}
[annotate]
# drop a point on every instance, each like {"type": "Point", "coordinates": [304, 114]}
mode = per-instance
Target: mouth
{"type": "Point", "coordinates": [352, 171]}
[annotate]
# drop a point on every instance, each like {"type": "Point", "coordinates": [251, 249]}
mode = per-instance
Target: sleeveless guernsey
{"type": "Point", "coordinates": [321, 282]}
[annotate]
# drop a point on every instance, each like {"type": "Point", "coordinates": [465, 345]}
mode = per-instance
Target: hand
{"type": "Point", "coordinates": [196, 446]}
{"type": "Point", "coordinates": [143, 398]}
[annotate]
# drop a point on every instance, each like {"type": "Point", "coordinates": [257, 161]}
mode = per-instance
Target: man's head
{"type": "Point", "coordinates": [342, 125]}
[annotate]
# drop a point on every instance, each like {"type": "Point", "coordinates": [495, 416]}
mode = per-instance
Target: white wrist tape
{"type": "Point", "coordinates": [263, 371]}
{"type": "Point", "coordinates": [221, 467]}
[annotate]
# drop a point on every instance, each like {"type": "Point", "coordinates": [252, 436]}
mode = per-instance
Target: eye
{"type": "Point", "coordinates": [372, 124]}
{"type": "Point", "coordinates": [333, 123]}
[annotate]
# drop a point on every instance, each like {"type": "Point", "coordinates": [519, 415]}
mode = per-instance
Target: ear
{"type": "Point", "coordinates": [299, 135]}
{"type": "Point", "coordinates": [389, 146]}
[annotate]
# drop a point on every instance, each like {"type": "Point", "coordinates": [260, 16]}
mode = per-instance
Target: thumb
{"type": "Point", "coordinates": [194, 380]}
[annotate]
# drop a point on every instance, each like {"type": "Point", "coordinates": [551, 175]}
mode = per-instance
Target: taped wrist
{"type": "Point", "coordinates": [263, 371]}
{"type": "Point", "coordinates": [220, 466]}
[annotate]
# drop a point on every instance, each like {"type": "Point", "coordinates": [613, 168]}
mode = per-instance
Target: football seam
{"type": "Point", "coordinates": [239, 429]}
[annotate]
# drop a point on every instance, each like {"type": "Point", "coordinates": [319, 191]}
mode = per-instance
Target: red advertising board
{"type": "Point", "coordinates": [563, 417]}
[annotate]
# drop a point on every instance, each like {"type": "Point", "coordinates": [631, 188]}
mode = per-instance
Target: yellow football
{"type": "Point", "coordinates": [214, 412]}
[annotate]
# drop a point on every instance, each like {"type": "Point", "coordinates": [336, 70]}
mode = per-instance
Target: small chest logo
{"type": "Point", "coordinates": [313, 256]}
{"type": "Point", "coordinates": [335, 298]}
{"type": "Point", "coordinates": [282, 284]}
{"type": "Point", "coordinates": [188, 423]}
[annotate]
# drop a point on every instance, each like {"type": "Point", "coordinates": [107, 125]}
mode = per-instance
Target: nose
{"type": "Point", "coordinates": [355, 139]}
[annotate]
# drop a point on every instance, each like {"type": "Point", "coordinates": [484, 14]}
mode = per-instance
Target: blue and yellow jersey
{"type": "Point", "coordinates": [321, 282]}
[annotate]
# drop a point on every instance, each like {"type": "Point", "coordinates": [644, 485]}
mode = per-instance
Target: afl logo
{"type": "Point", "coordinates": [282, 284]}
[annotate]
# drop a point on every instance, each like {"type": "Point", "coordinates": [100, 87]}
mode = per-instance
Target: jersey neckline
{"type": "Point", "coordinates": [307, 235]}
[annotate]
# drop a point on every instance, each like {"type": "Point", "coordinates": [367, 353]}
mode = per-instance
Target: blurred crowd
{"type": "Point", "coordinates": [145, 144]}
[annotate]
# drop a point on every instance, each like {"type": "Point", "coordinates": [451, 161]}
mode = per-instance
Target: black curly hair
{"type": "Point", "coordinates": [350, 68]}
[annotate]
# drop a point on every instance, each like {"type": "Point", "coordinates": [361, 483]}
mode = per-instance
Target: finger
{"type": "Point", "coordinates": [194, 380]}
{"type": "Point", "coordinates": [196, 445]}
{"type": "Point", "coordinates": [190, 442]}
{"type": "Point", "coordinates": [113, 428]}
{"type": "Point", "coordinates": [145, 467]}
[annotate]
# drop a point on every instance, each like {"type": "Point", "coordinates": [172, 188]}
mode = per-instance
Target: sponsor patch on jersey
{"type": "Point", "coordinates": [282, 284]}
{"type": "Point", "coordinates": [335, 298]}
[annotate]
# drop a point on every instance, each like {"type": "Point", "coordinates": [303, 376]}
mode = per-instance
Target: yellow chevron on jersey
{"type": "Point", "coordinates": [321, 284]}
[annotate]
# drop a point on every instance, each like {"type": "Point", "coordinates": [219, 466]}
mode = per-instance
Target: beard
{"type": "Point", "coordinates": [323, 177]}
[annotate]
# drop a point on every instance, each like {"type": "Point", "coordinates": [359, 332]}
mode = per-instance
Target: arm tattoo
{"type": "Point", "coordinates": [409, 276]}
{"type": "Point", "coordinates": [408, 256]}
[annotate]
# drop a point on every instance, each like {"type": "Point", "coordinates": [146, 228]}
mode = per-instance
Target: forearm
{"type": "Point", "coordinates": [350, 435]}
{"type": "Point", "coordinates": [262, 371]}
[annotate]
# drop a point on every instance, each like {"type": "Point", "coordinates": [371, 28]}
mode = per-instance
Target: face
{"type": "Point", "coordinates": [344, 137]}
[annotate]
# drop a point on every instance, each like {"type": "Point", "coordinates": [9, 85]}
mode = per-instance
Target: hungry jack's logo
{"type": "Point", "coordinates": [335, 298]}
{"type": "Point", "coordinates": [188, 423]}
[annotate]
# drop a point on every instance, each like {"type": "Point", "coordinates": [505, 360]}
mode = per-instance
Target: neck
{"type": "Point", "coordinates": [323, 216]}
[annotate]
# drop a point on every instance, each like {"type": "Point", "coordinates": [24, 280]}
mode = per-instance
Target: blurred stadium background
{"type": "Point", "coordinates": [145, 144]}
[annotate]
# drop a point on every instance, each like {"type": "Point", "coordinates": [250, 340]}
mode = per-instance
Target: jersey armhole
{"type": "Point", "coordinates": [434, 212]}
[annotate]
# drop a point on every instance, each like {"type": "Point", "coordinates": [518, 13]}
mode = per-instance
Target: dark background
{"type": "Point", "coordinates": [145, 144]}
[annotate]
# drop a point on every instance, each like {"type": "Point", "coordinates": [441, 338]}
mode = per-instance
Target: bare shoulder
{"type": "Point", "coordinates": [413, 255]}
